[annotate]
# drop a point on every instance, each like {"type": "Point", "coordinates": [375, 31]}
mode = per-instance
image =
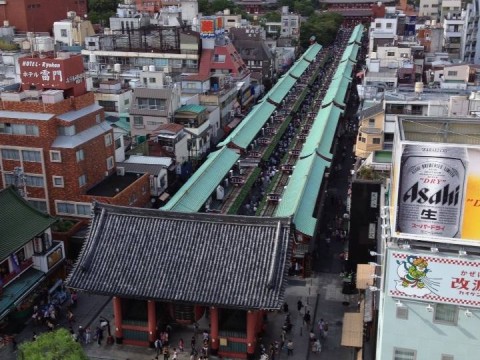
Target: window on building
{"type": "Point", "coordinates": [138, 121]}
{"type": "Point", "coordinates": [402, 312]}
{"type": "Point", "coordinates": [118, 143]}
{"type": "Point", "coordinates": [82, 180]}
{"type": "Point", "coordinates": [378, 25]}
{"type": "Point", "coordinates": [55, 156]}
{"type": "Point", "coordinates": [108, 106]}
{"type": "Point", "coordinates": [452, 73]}
{"type": "Point", "coordinates": [82, 209]}
{"type": "Point", "coordinates": [108, 139]}
{"type": "Point", "coordinates": [371, 122]}
{"type": "Point", "coordinates": [57, 181]}
{"type": "Point", "coordinates": [376, 141]}
{"type": "Point", "coordinates": [389, 25]}
{"type": "Point", "coordinates": [10, 154]}
{"type": "Point", "coordinates": [404, 354]}
{"type": "Point", "coordinates": [80, 155]}
{"type": "Point", "coordinates": [66, 130]}
{"type": "Point", "coordinates": [20, 129]}
{"type": "Point", "coordinates": [151, 104]}
{"type": "Point", "coordinates": [9, 179]}
{"type": "Point", "coordinates": [447, 357]}
{"type": "Point", "coordinates": [126, 102]}
{"type": "Point", "coordinates": [153, 123]}
{"type": "Point", "coordinates": [34, 181]}
{"type": "Point", "coordinates": [446, 314]}
{"type": "Point", "coordinates": [65, 208]}
{"type": "Point", "coordinates": [152, 80]}
{"type": "Point", "coordinates": [63, 33]}
{"type": "Point", "coordinates": [31, 156]}
{"type": "Point", "coordinates": [110, 163]}
{"type": "Point", "coordinates": [39, 205]}
{"type": "Point", "coordinates": [390, 53]}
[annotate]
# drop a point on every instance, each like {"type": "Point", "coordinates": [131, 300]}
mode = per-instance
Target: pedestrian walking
{"type": "Point", "coordinates": [317, 346]}
{"type": "Point", "coordinates": [174, 356]}
{"type": "Point", "coordinates": [192, 342]}
{"type": "Point", "coordinates": [166, 353]}
{"type": "Point", "coordinates": [299, 305]}
{"type": "Point", "coordinates": [158, 346]}
{"type": "Point", "coordinates": [88, 335]}
{"type": "Point", "coordinates": [307, 318]}
{"type": "Point", "coordinates": [99, 335]}
{"type": "Point", "coordinates": [290, 348]}
{"type": "Point", "coordinates": [325, 330]}
{"type": "Point", "coordinates": [181, 345]}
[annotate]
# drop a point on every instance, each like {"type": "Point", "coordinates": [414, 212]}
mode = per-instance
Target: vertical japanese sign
{"type": "Point", "coordinates": [443, 279]}
{"type": "Point", "coordinates": [438, 191]}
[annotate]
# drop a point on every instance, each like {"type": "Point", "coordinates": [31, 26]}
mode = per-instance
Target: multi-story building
{"type": "Point", "coordinates": [453, 34]}
{"type": "Point", "coordinates": [55, 144]}
{"type": "Point", "coordinates": [38, 16]}
{"type": "Point", "coordinates": [72, 31]}
{"type": "Point", "coordinates": [471, 48]}
{"type": "Point", "coordinates": [428, 279]}
{"type": "Point", "coordinates": [153, 103]}
{"type": "Point", "coordinates": [29, 258]}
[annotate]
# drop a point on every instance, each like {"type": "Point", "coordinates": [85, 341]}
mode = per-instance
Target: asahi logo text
{"type": "Point", "coordinates": [424, 195]}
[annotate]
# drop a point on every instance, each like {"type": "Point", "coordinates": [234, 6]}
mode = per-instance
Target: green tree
{"type": "Point", "coordinates": [324, 27]}
{"type": "Point", "coordinates": [56, 345]}
{"type": "Point", "coordinates": [272, 16]}
{"type": "Point", "coordinates": [303, 7]}
{"type": "Point", "coordinates": [99, 11]}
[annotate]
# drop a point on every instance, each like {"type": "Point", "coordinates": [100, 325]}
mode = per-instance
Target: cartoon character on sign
{"type": "Point", "coordinates": [413, 279]}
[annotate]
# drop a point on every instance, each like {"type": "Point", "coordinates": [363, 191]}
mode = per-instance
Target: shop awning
{"type": "Point", "coordinates": [352, 330]}
{"type": "Point", "coordinates": [365, 276]}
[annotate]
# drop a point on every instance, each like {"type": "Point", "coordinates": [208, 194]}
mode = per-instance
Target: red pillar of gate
{"type": "Point", "coordinates": [117, 313]}
{"type": "Point", "coordinates": [152, 322]}
{"type": "Point", "coordinates": [215, 345]}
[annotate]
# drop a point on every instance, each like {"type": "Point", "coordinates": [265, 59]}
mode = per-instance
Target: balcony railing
{"type": "Point", "coordinates": [24, 265]}
{"type": "Point", "coordinates": [403, 111]}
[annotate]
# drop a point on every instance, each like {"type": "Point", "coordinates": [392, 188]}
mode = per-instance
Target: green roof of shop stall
{"type": "Point", "coordinates": [191, 108]}
{"type": "Point", "coordinates": [336, 91]}
{"type": "Point", "coordinates": [345, 70]}
{"type": "Point", "coordinates": [332, 115]}
{"type": "Point", "coordinates": [322, 132]}
{"type": "Point", "coordinates": [298, 68]}
{"type": "Point", "coordinates": [243, 134]}
{"type": "Point", "coordinates": [20, 222]}
{"type": "Point", "coordinates": [18, 289]}
{"type": "Point", "coordinates": [300, 196]}
{"type": "Point", "coordinates": [195, 192]}
{"type": "Point", "coordinates": [281, 88]}
{"type": "Point", "coordinates": [350, 53]}
{"type": "Point", "coordinates": [356, 35]}
{"type": "Point", "coordinates": [312, 52]}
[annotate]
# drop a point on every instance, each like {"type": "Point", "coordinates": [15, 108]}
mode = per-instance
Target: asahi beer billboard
{"type": "Point", "coordinates": [433, 278]}
{"type": "Point", "coordinates": [438, 191]}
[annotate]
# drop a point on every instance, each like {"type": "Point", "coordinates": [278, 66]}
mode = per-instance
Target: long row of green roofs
{"type": "Point", "coordinates": [300, 195]}
{"type": "Point", "coordinates": [196, 191]}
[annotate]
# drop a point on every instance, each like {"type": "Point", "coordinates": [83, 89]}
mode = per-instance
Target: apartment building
{"type": "Point", "coordinates": [56, 146]}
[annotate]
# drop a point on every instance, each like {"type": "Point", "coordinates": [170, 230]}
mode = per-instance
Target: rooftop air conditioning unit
{"type": "Point", "coordinates": [120, 171]}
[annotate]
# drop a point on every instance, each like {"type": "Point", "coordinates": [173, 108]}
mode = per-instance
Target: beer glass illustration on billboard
{"type": "Point", "coordinates": [431, 190]}
{"type": "Point", "coordinates": [471, 214]}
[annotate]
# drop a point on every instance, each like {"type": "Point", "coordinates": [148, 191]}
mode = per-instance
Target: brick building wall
{"type": "Point", "coordinates": [39, 15]}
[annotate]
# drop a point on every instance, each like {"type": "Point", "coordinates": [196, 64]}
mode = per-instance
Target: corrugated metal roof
{"type": "Point", "coordinates": [151, 169]}
{"type": "Point", "coordinates": [244, 133]}
{"type": "Point", "coordinates": [77, 114]}
{"type": "Point", "coordinates": [206, 259]}
{"type": "Point", "coordinates": [25, 115]}
{"type": "Point", "coordinates": [191, 108]}
{"type": "Point", "coordinates": [356, 35]}
{"type": "Point", "coordinates": [336, 91]}
{"type": "Point", "coordinates": [195, 192]}
{"type": "Point", "coordinates": [150, 160]}
{"type": "Point", "coordinates": [70, 142]}
{"type": "Point", "coordinates": [19, 222]}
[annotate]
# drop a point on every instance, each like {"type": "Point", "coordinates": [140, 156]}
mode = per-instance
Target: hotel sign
{"type": "Point", "coordinates": [434, 278]}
